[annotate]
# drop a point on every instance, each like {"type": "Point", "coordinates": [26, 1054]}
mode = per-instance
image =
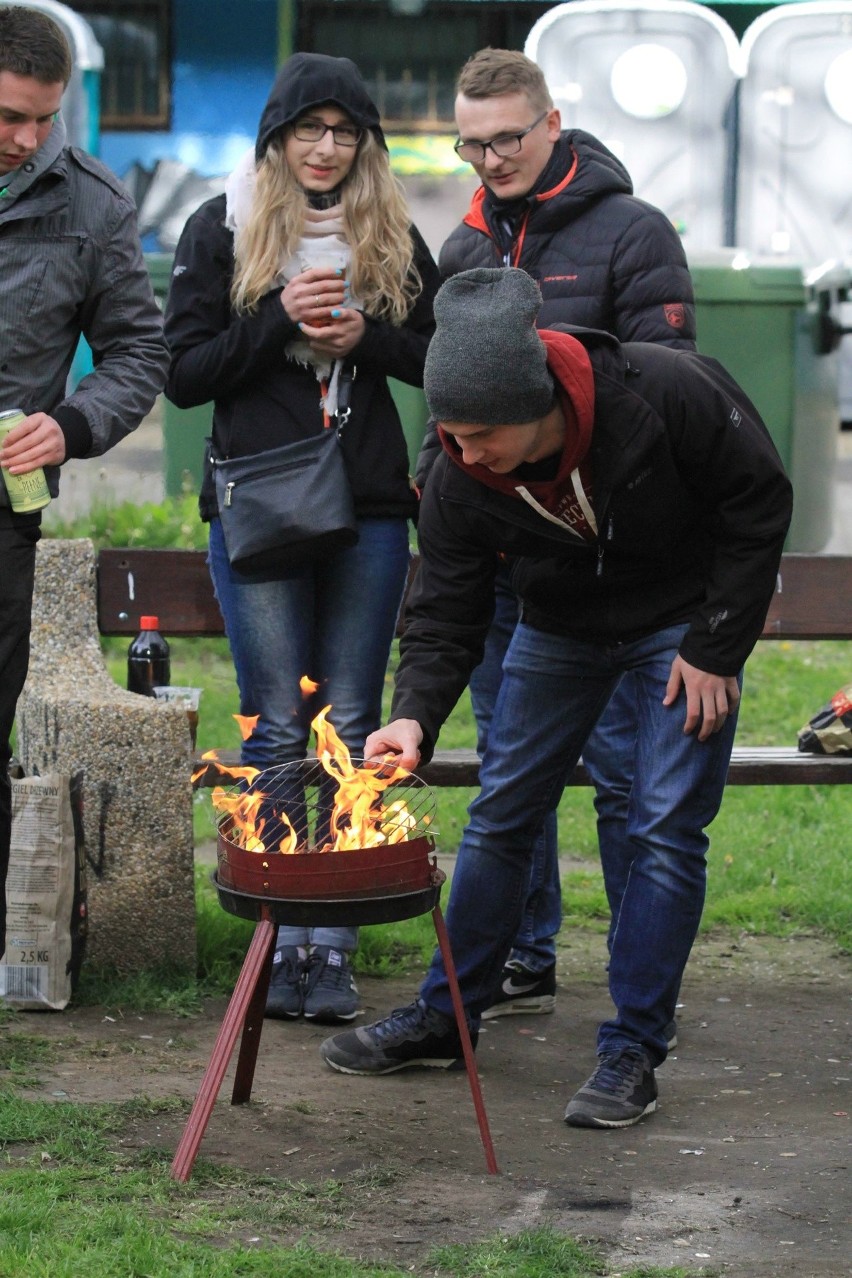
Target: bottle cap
{"type": "Point", "coordinates": [149, 623]}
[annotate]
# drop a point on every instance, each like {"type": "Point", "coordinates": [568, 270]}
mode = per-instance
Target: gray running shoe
{"type": "Point", "coordinates": [620, 1092]}
{"type": "Point", "coordinates": [522, 990]}
{"type": "Point", "coordinates": [413, 1035]}
{"type": "Point", "coordinates": [331, 994]}
{"type": "Point", "coordinates": [286, 985]}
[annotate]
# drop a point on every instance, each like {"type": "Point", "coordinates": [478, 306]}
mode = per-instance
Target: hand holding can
{"type": "Point", "coordinates": [29, 491]}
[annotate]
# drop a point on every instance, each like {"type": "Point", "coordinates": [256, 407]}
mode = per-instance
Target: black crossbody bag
{"type": "Point", "coordinates": [290, 505]}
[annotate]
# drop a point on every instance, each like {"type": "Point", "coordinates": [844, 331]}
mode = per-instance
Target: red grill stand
{"type": "Point", "coordinates": [248, 1001]}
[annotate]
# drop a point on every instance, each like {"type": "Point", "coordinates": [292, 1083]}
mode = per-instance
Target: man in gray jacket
{"type": "Point", "coordinates": [71, 265]}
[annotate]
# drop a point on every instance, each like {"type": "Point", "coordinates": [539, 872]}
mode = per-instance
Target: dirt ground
{"type": "Point", "coordinates": [743, 1170]}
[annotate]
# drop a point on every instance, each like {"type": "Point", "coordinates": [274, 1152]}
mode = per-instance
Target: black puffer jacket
{"type": "Point", "coordinates": [692, 507]}
{"type": "Point", "coordinates": [261, 398]}
{"type": "Point", "coordinates": [602, 258]}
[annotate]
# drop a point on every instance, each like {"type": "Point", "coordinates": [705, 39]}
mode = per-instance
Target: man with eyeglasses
{"type": "Point", "coordinates": [559, 205]}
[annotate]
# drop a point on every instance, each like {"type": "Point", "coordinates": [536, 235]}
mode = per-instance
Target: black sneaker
{"type": "Point", "coordinates": [331, 994]}
{"type": "Point", "coordinates": [620, 1091]}
{"type": "Point", "coordinates": [522, 990]}
{"type": "Point", "coordinates": [413, 1035]}
{"type": "Point", "coordinates": [286, 984]}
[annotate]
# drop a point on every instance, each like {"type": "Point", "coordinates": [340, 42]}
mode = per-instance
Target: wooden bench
{"type": "Point", "coordinates": [811, 602]}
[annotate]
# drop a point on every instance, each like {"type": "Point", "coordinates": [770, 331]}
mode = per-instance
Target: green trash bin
{"type": "Point", "coordinates": [184, 429]}
{"type": "Point", "coordinates": [775, 328]}
{"type": "Point", "coordinates": [413, 413]}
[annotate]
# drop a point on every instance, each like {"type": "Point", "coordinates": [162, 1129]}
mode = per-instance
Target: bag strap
{"type": "Point", "coordinates": [344, 395]}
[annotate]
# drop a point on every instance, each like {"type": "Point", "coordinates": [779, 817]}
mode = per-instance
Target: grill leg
{"type": "Point", "coordinates": [252, 1027]}
{"type": "Point", "coordinates": [464, 1035]}
{"type": "Point", "coordinates": [255, 966]}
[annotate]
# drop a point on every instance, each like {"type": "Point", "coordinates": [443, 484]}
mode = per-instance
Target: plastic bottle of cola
{"type": "Point", "coordinates": [148, 664]}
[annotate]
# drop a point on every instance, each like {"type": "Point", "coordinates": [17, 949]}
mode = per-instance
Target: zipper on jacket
{"type": "Point", "coordinates": [229, 490]}
{"type": "Point", "coordinates": [606, 538]}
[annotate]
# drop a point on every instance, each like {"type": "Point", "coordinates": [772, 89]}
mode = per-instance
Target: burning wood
{"type": "Point", "coordinates": [274, 816]}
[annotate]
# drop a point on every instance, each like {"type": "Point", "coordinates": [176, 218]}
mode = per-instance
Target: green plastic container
{"type": "Point", "coordinates": [413, 413]}
{"type": "Point", "coordinates": [184, 429]}
{"type": "Point", "coordinates": [774, 328]}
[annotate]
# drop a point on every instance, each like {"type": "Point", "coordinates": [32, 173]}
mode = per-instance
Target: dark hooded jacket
{"type": "Point", "coordinates": [691, 504]}
{"type": "Point", "coordinates": [262, 399]}
{"type": "Point", "coordinates": [603, 258]}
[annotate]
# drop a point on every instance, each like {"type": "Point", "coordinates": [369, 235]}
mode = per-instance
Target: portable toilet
{"type": "Point", "coordinates": [796, 146]}
{"type": "Point", "coordinates": [796, 133]}
{"type": "Point", "coordinates": [655, 80]}
{"type": "Point", "coordinates": [81, 102]}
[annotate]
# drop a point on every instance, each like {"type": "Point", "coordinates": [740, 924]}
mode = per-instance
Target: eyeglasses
{"type": "Point", "coordinates": [507, 144]}
{"type": "Point", "coordinates": [315, 131]}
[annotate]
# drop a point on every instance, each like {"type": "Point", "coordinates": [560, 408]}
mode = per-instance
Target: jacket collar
{"type": "Point", "coordinates": [29, 173]}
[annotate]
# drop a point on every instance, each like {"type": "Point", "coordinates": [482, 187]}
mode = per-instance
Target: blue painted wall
{"type": "Point", "coordinates": [223, 64]}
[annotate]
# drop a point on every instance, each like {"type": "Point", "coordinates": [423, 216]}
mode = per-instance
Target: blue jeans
{"type": "Point", "coordinates": [554, 689]}
{"type": "Point", "coordinates": [333, 621]}
{"type": "Point", "coordinates": [535, 940]}
{"type": "Point", "coordinates": [608, 755]}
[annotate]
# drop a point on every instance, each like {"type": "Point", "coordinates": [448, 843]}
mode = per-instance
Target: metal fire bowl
{"type": "Point", "coordinates": [363, 872]}
{"type": "Point", "coordinates": [353, 911]}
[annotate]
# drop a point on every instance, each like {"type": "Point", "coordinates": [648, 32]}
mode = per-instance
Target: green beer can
{"type": "Point", "coordinates": [26, 492]}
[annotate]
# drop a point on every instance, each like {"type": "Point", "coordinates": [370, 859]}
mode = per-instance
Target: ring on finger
{"type": "Point", "coordinates": [316, 299]}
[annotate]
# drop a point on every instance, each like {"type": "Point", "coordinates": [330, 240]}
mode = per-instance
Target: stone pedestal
{"type": "Point", "coordinates": [135, 756]}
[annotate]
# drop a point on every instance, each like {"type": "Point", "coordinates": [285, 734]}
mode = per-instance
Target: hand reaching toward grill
{"type": "Point", "coordinates": [401, 739]}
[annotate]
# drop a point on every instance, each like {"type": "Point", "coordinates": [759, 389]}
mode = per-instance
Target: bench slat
{"type": "Point", "coordinates": [173, 585]}
{"type": "Point", "coordinates": [750, 765]}
{"type": "Point", "coordinates": [811, 601]}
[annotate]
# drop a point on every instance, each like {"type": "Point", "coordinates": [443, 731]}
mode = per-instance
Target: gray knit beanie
{"type": "Point", "coordinates": [486, 363]}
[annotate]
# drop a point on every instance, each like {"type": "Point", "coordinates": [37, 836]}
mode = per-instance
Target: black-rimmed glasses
{"type": "Point", "coordinates": [315, 131]}
{"type": "Point", "coordinates": [506, 144]}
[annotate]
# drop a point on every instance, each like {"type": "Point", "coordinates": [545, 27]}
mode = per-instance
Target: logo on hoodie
{"type": "Point", "coordinates": [675, 314]}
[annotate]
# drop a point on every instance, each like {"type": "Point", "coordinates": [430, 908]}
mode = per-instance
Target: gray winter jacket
{"type": "Point", "coordinates": [71, 264]}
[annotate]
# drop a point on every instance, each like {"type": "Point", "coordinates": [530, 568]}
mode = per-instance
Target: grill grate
{"type": "Point", "coordinates": [306, 807]}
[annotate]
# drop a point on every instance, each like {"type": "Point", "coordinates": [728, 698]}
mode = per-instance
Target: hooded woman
{"type": "Point", "coordinates": [295, 295]}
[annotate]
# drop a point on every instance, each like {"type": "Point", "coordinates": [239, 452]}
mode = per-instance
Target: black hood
{"type": "Point", "coordinates": [308, 80]}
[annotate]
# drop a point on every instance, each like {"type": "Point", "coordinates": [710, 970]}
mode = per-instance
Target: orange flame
{"type": "Point", "coordinates": [243, 809]}
{"type": "Point", "coordinates": [245, 773]}
{"type": "Point", "coordinates": [246, 724]}
{"type": "Point", "coordinates": [359, 818]}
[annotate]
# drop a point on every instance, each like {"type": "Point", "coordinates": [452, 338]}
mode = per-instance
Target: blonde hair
{"type": "Point", "coordinates": [382, 273]}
